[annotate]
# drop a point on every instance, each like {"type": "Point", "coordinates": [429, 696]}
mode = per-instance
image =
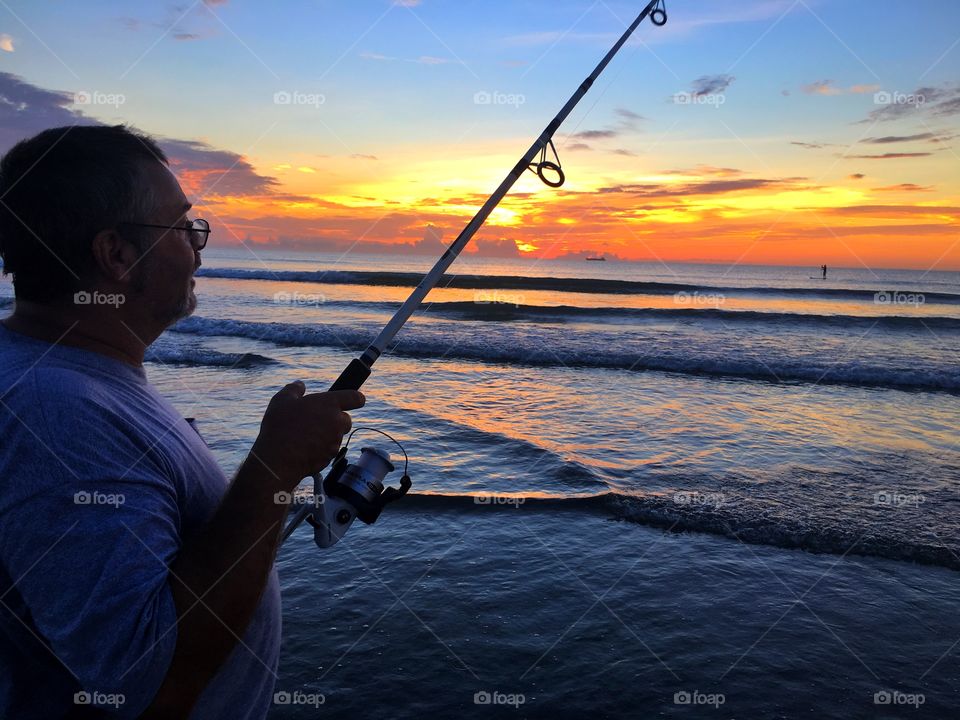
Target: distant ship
{"type": "Point", "coordinates": [600, 258]}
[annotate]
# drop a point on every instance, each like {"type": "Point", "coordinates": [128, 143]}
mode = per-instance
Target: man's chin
{"type": "Point", "coordinates": [190, 307]}
{"type": "Point", "coordinates": [185, 310]}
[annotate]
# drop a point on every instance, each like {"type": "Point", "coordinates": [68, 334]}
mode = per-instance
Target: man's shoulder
{"type": "Point", "coordinates": [35, 374]}
{"type": "Point", "coordinates": [60, 423]}
{"type": "Point", "coordinates": [65, 405]}
{"type": "Point", "coordinates": [58, 388]}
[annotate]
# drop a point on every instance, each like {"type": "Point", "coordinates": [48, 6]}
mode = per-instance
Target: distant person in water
{"type": "Point", "coordinates": [824, 268]}
{"type": "Point", "coordinates": [133, 575]}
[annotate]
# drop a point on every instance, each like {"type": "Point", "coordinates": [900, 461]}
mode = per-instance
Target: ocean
{"type": "Point", "coordinates": [640, 489]}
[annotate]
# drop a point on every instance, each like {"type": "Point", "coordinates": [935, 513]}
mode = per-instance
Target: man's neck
{"type": "Point", "coordinates": [97, 332]}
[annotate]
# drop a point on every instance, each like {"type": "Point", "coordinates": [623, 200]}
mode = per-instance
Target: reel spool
{"type": "Point", "coordinates": [355, 490]}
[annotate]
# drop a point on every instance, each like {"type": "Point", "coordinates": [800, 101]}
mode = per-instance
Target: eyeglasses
{"type": "Point", "coordinates": [197, 230]}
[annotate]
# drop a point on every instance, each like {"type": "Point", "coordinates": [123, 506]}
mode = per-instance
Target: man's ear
{"type": "Point", "coordinates": [113, 256]}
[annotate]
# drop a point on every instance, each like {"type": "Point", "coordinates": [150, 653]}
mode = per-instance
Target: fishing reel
{"type": "Point", "coordinates": [354, 490]}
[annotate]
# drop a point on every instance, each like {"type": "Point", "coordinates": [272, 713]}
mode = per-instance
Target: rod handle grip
{"type": "Point", "coordinates": [352, 377]}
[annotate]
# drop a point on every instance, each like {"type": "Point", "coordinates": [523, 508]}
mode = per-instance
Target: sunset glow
{"type": "Point", "coordinates": [384, 127]}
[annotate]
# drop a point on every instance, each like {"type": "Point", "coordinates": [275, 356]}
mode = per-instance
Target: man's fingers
{"type": "Point", "coordinates": [346, 422]}
{"type": "Point", "coordinates": [349, 399]}
{"type": "Point", "coordinates": [294, 389]}
{"type": "Point", "coordinates": [344, 399]}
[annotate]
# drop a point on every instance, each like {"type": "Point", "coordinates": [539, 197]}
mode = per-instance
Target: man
{"type": "Point", "coordinates": [135, 580]}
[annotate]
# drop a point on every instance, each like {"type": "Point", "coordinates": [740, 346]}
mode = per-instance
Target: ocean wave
{"type": "Point", "coordinates": [171, 355]}
{"type": "Point", "coordinates": [501, 312]}
{"type": "Point", "coordinates": [575, 285]}
{"type": "Point", "coordinates": [535, 349]}
{"type": "Point", "coordinates": [663, 511]}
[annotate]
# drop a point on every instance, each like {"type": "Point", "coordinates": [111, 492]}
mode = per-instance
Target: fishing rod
{"type": "Point", "coordinates": [356, 490]}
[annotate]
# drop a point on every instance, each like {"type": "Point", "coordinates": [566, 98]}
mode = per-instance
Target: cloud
{"type": "Point", "coordinates": [502, 248]}
{"type": "Point", "coordinates": [901, 138]}
{"type": "Point", "coordinates": [577, 146]}
{"type": "Point", "coordinates": [432, 241]}
{"type": "Point", "coordinates": [623, 151]}
{"type": "Point", "coordinates": [26, 109]}
{"type": "Point", "coordinates": [701, 170]}
{"type": "Point", "coordinates": [422, 60]}
{"type": "Point", "coordinates": [811, 146]}
{"type": "Point", "coordinates": [710, 85]}
{"type": "Point", "coordinates": [628, 114]}
{"type": "Point", "coordinates": [708, 187]}
{"type": "Point", "coordinates": [947, 108]}
{"type": "Point", "coordinates": [186, 36]}
{"type": "Point", "coordinates": [821, 87]}
{"type": "Point", "coordinates": [204, 170]}
{"type": "Point", "coordinates": [361, 156]}
{"type": "Point", "coordinates": [894, 211]}
{"type": "Point", "coordinates": [6, 43]}
{"type": "Point", "coordinates": [595, 134]}
{"type": "Point", "coordinates": [629, 121]}
{"type": "Point", "coordinates": [939, 102]}
{"type": "Point", "coordinates": [889, 156]}
{"type": "Point", "coordinates": [904, 187]}
{"type": "Point", "coordinates": [856, 176]}
{"type": "Point", "coordinates": [826, 87]}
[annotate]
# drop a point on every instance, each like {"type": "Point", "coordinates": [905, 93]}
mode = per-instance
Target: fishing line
{"type": "Point", "coordinates": [356, 490]}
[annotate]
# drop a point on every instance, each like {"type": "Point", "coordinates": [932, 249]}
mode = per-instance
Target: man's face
{"type": "Point", "coordinates": [163, 278]}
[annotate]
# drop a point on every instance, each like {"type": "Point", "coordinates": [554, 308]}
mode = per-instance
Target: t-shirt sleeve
{"type": "Point", "coordinates": [87, 540]}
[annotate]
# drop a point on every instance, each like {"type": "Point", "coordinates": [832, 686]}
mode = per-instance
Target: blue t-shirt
{"type": "Point", "coordinates": [101, 480]}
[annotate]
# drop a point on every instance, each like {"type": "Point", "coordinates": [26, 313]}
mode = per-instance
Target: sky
{"type": "Point", "coordinates": [797, 132]}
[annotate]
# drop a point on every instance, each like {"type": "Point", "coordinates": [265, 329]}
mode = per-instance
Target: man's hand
{"type": "Point", "coordinates": [300, 434]}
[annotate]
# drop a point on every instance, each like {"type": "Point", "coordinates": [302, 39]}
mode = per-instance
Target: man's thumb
{"type": "Point", "coordinates": [294, 389]}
